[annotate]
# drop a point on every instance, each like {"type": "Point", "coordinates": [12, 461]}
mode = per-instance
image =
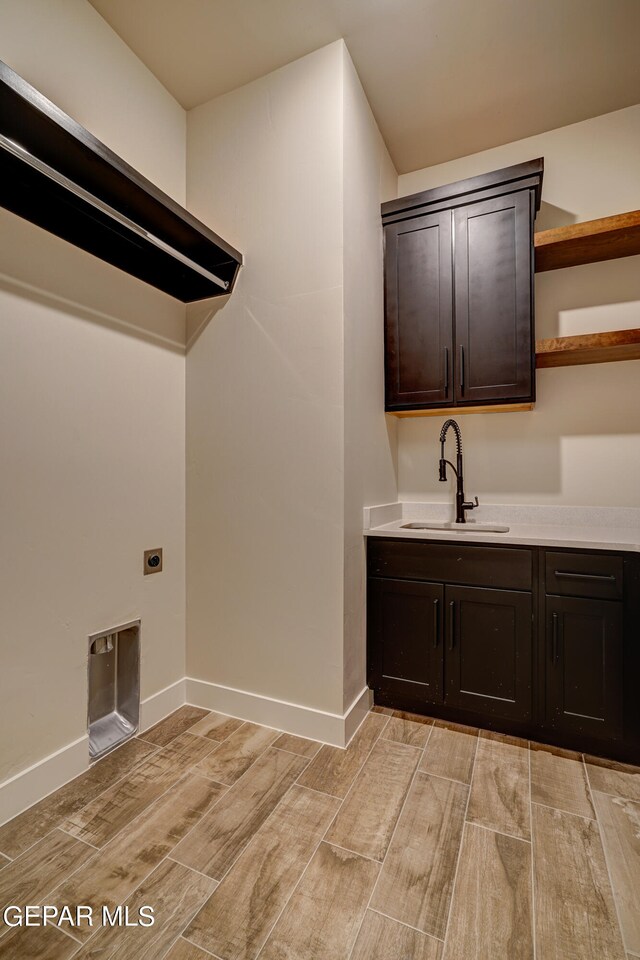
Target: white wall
{"type": "Point", "coordinates": [581, 444]}
{"type": "Point", "coordinates": [369, 437]}
{"type": "Point", "coordinates": [264, 392]}
{"type": "Point", "coordinates": [69, 53]}
{"type": "Point", "coordinates": [92, 395]}
{"type": "Point", "coordinates": [286, 435]}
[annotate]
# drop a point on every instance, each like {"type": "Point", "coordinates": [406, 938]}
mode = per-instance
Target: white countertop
{"type": "Point", "coordinates": [590, 528]}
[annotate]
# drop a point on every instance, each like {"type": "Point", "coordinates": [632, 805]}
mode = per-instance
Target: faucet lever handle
{"type": "Point", "coordinates": [477, 503]}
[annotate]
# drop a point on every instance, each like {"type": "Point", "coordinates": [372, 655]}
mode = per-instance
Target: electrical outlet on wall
{"type": "Point", "coordinates": [153, 561]}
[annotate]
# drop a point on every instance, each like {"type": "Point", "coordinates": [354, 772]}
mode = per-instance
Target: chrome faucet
{"type": "Point", "coordinates": [461, 504]}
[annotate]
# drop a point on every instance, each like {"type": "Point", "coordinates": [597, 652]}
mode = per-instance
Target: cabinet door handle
{"type": "Point", "coordinates": [554, 638]}
{"type": "Point", "coordinates": [436, 622]}
{"type": "Point", "coordinates": [571, 575]}
{"type": "Point", "coordinates": [461, 368]}
{"type": "Point", "coordinates": [452, 623]}
{"type": "Point", "coordinates": [446, 371]}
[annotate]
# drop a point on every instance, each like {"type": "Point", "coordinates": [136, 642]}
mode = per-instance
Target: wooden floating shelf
{"type": "Point", "coordinates": [589, 242]}
{"type": "Point", "coordinates": [588, 348]}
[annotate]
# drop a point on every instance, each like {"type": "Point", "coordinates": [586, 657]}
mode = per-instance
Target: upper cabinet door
{"type": "Point", "coordinates": [418, 314]}
{"type": "Point", "coordinates": [493, 272]}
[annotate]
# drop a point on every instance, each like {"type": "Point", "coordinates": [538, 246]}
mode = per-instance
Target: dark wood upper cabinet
{"type": "Point", "coordinates": [459, 292]}
{"type": "Point", "coordinates": [419, 296]}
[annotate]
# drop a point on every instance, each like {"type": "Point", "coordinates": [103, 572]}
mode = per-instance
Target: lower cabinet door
{"type": "Point", "coordinates": [488, 641]}
{"type": "Point", "coordinates": [405, 637]}
{"type": "Point", "coordinates": [584, 666]}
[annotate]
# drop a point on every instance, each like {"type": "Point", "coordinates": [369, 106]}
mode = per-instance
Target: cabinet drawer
{"type": "Point", "coordinates": [467, 564]}
{"type": "Point", "coordinates": [584, 575]}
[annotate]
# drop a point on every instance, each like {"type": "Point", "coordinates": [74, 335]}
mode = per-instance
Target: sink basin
{"type": "Point", "coordinates": [457, 527]}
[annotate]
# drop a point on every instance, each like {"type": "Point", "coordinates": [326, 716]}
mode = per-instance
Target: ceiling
{"type": "Point", "coordinates": [445, 78]}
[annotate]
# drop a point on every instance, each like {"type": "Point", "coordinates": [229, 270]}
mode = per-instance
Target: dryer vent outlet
{"type": "Point", "coordinates": [114, 687]}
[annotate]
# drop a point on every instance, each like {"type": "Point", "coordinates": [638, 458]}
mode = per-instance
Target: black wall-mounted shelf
{"type": "Point", "coordinates": [56, 174]}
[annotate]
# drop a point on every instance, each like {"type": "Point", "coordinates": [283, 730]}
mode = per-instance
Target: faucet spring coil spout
{"type": "Point", "coordinates": [461, 504]}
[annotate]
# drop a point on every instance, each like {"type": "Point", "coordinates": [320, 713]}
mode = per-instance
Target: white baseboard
{"type": "Point", "coordinates": [159, 705]}
{"type": "Point", "coordinates": [334, 728]}
{"type": "Point", "coordinates": [356, 713]}
{"type": "Point", "coordinates": [42, 778]}
{"type": "Point", "coordinates": [26, 788]}
{"type": "Point", "coordinates": [21, 791]}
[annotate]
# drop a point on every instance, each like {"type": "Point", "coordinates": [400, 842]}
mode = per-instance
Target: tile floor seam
{"type": "Point", "coordinates": [115, 783]}
{"type": "Point", "coordinates": [246, 847]}
{"type": "Point", "coordinates": [141, 736]}
{"type": "Point", "coordinates": [77, 839]}
{"type": "Point", "coordinates": [70, 936]}
{"type": "Point", "coordinates": [193, 870]}
{"type": "Point", "coordinates": [300, 878]}
{"type": "Point", "coordinates": [323, 793]}
{"type": "Point", "coordinates": [502, 833]}
{"type": "Point", "coordinates": [50, 891]}
{"type": "Point", "coordinates": [207, 777]}
{"type": "Point", "coordinates": [80, 809]}
{"type": "Point", "coordinates": [339, 846]}
{"type": "Point", "coordinates": [389, 845]}
{"type": "Point", "coordinates": [403, 923]}
{"type": "Point", "coordinates": [606, 862]}
{"type": "Point", "coordinates": [198, 908]}
{"type": "Point", "coordinates": [353, 783]}
{"type": "Point", "coordinates": [551, 806]}
{"type": "Point", "coordinates": [533, 894]}
{"type": "Point", "coordinates": [216, 743]}
{"type": "Point", "coordinates": [616, 796]}
{"type": "Point", "coordinates": [148, 874]}
{"type": "Point", "coordinates": [293, 753]}
{"type": "Point", "coordinates": [269, 746]}
{"type": "Point", "coordinates": [198, 821]}
{"type": "Point", "coordinates": [135, 890]}
{"type": "Point", "coordinates": [401, 743]}
{"type": "Point", "coordinates": [448, 779]}
{"type": "Point", "coordinates": [197, 945]}
{"type": "Point", "coordinates": [341, 801]}
{"type": "Point", "coordinates": [464, 826]}
{"type": "Point", "coordinates": [265, 821]}
{"type": "Point", "coordinates": [189, 769]}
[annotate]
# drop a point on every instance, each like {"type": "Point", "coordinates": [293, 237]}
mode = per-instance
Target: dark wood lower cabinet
{"type": "Point", "coordinates": [406, 630]}
{"type": "Point", "coordinates": [488, 652]}
{"type": "Point", "coordinates": [507, 653]}
{"type": "Point", "coordinates": [584, 647]}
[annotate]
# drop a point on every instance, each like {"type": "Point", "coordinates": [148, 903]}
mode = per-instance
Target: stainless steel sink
{"type": "Point", "coordinates": [469, 527]}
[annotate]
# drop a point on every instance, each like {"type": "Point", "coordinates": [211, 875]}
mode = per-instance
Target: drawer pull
{"type": "Point", "coordinates": [452, 623]}
{"type": "Point", "coordinates": [436, 622]}
{"type": "Point", "coordinates": [571, 575]}
{"type": "Point", "coordinates": [554, 639]}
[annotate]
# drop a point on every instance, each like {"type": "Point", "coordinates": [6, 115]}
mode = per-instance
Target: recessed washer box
{"type": "Point", "coordinates": [114, 687]}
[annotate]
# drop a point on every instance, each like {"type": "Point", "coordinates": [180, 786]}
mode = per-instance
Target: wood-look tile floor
{"type": "Point", "coordinates": [421, 841]}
